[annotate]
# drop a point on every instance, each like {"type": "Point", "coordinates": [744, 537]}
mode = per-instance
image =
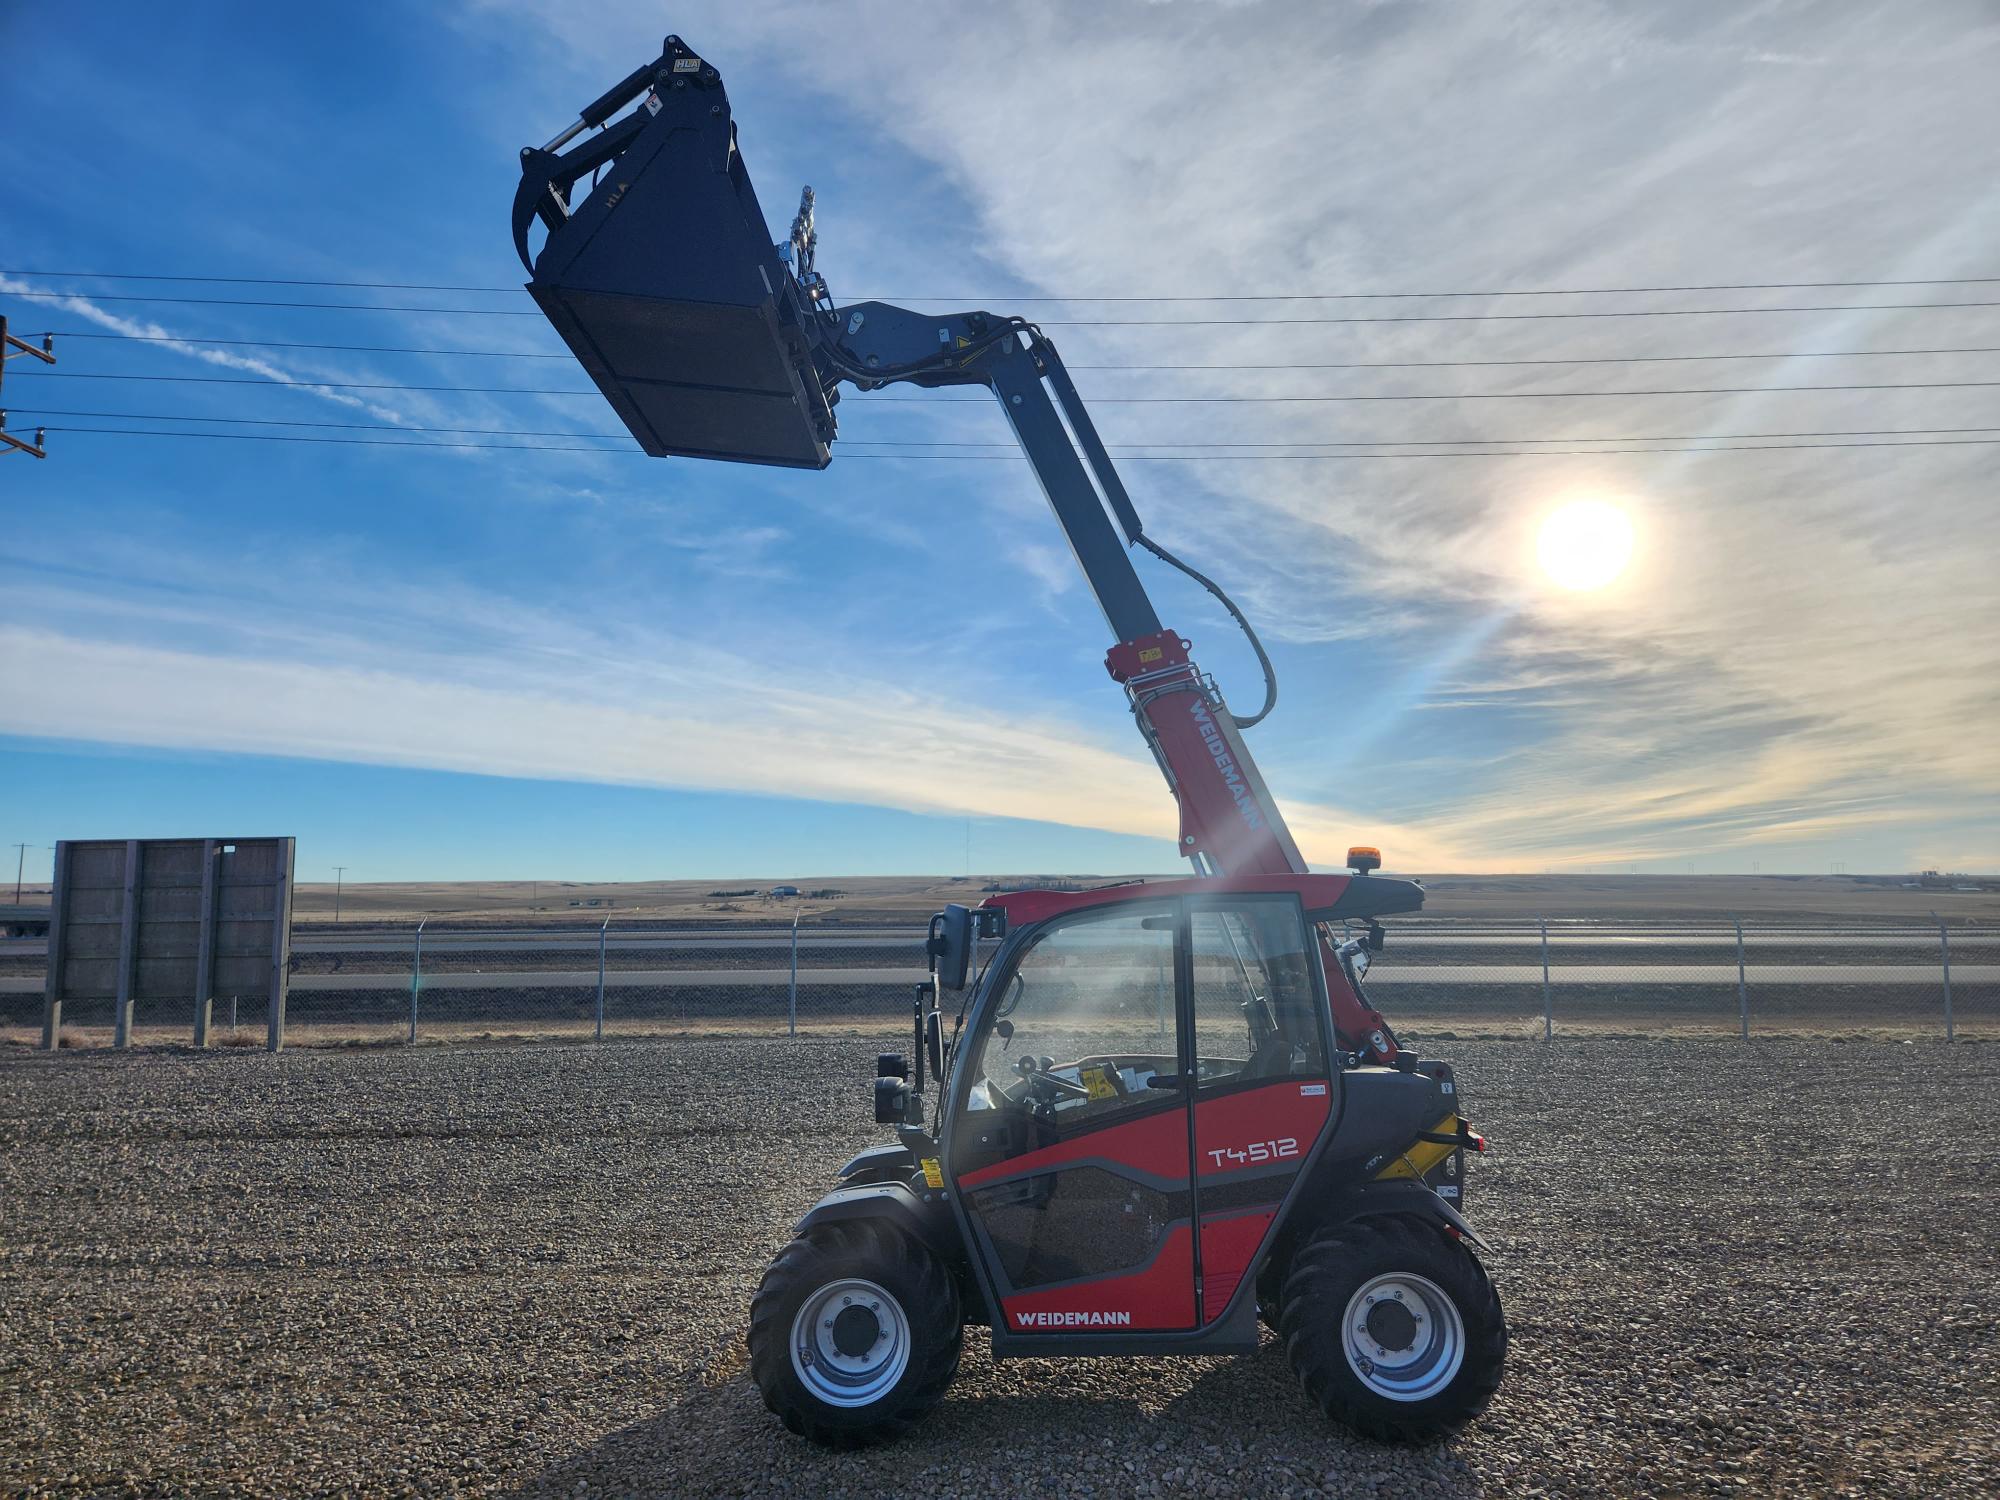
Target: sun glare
{"type": "Point", "coordinates": [1585, 544]}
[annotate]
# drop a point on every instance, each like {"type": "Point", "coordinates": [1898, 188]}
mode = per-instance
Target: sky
{"type": "Point", "coordinates": [479, 662]}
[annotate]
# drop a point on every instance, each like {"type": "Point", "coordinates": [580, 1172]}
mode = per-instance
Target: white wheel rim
{"type": "Point", "coordinates": [850, 1343]}
{"type": "Point", "coordinates": [1403, 1337]}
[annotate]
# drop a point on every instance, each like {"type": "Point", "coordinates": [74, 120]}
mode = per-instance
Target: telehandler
{"type": "Point", "coordinates": [1164, 1109]}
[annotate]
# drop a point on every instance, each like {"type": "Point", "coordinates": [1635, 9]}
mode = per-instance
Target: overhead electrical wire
{"type": "Point", "coordinates": [1597, 291]}
{"type": "Point", "coordinates": [1372, 364]}
{"type": "Point", "coordinates": [1483, 317]}
{"type": "Point", "coordinates": [926, 400]}
{"type": "Point", "coordinates": [1205, 451]}
{"type": "Point", "coordinates": [1008, 447]}
{"type": "Point", "coordinates": [263, 437]}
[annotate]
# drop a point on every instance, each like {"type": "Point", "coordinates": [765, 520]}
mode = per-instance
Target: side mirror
{"type": "Point", "coordinates": [934, 1043]}
{"type": "Point", "coordinates": [949, 945]}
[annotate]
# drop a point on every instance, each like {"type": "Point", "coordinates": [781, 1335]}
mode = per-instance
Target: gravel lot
{"type": "Point", "coordinates": [1763, 1269]}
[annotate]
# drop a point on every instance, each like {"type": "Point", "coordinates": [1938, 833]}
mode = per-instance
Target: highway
{"type": "Point", "coordinates": [1922, 940]}
{"type": "Point", "coordinates": [1386, 976]}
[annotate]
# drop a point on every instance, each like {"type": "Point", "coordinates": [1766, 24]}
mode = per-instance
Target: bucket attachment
{"type": "Point", "coordinates": [664, 281]}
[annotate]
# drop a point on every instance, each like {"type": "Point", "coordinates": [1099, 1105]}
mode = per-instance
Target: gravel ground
{"type": "Point", "coordinates": [524, 1271]}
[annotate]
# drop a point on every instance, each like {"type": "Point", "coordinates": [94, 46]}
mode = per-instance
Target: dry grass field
{"type": "Point", "coordinates": [910, 899]}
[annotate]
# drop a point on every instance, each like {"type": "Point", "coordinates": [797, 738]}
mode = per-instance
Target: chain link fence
{"type": "Point", "coordinates": [1718, 979]}
{"type": "Point", "coordinates": [353, 984]}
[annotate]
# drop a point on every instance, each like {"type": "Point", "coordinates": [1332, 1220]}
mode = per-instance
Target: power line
{"type": "Point", "coordinates": [535, 312]}
{"type": "Point", "coordinates": [483, 312]}
{"type": "Point", "coordinates": [178, 338]}
{"type": "Point", "coordinates": [335, 385]}
{"type": "Point", "coordinates": [874, 400]}
{"type": "Point", "coordinates": [1373, 364]}
{"type": "Point", "coordinates": [262, 437]}
{"type": "Point", "coordinates": [1597, 291]}
{"type": "Point", "coordinates": [1428, 442]}
{"type": "Point", "coordinates": [1716, 390]}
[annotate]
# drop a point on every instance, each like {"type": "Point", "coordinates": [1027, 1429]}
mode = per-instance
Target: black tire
{"type": "Point", "coordinates": [871, 1251]}
{"type": "Point", "coordinates": [1331, 1269]}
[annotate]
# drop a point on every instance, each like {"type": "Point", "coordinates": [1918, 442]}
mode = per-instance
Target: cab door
{"type": "Point", "coordinates": [1070, 1152]}
{"type": "Point", "coordinates": [1263, 1089]}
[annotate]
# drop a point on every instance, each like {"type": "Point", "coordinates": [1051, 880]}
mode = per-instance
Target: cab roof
{"type": "Point", "coordinates": [1325, 897]}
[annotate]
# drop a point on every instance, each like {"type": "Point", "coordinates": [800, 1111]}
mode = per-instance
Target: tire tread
{"type": "Point", "coordinates": [1323, 1273]}
{"type": "Point", "coordinates": [880, 1252]}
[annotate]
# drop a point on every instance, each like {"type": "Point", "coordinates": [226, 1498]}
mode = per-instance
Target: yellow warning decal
{"type": "Point", "coordinates": [1151, 653]}
{"type": "Point", "coordinates": [1100, 1086]}
{"type": "Point", "coordinates": [933, 1173]}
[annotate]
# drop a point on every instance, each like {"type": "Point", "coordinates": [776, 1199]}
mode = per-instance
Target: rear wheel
{"type": "Point", "coordinates": [854, 1333]}
{"type": "Point", "coordinates": [1393, 1328]}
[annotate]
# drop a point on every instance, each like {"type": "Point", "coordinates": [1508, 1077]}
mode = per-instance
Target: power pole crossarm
{"type": "Point", "coordinates": [13, 348]}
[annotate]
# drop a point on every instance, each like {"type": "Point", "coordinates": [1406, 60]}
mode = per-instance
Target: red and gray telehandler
{"type": "Point", "coordinates": [1165, 1109]}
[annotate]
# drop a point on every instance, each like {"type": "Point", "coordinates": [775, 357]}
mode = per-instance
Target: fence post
{"type": "Point", "coordinates": [792, 1025]}
{"type": "Point", "coordinates": [1742, 986]}
{"type": "Point", "coordinates": [600, 977]}
{"type": "Point", "coordinates": [416, 975]}
{"type": "Point", "coordinates": [1548, 1006]}
{"type": "Point", "coordinates": [1944, 948]}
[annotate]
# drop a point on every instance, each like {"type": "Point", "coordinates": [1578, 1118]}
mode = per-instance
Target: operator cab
{"type": "Point", "coordinates": [1145, 1072]}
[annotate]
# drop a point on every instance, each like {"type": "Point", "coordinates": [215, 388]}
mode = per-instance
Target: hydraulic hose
{"type": "Point", "coordinates": [1264, 661]}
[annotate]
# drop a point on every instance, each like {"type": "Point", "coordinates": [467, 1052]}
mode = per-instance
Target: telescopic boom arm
{"type": "Point", "coordinates": [717, 344]}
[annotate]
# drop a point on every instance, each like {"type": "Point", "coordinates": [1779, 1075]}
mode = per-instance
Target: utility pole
{"type": "Point", "coordinates": [20, 864]}
{"type": "Point", "coordinates": [339, 875]}
{"type": "Point", "coordinates": [13, 348]}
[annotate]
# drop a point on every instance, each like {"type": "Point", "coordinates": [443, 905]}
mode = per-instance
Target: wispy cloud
{"type": "Point", "coordinates": [507, 690]}
{"type": "Point", "coordinates": [161, 337]}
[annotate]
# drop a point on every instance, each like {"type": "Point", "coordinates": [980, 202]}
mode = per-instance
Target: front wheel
{"type": "Point", "coordinates": [854, 1333]}
{"type": "Point", "coordinates": [1393, 1328]}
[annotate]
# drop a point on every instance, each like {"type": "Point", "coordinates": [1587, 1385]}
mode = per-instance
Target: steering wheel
{"type": "Point", "coordinates": [1047, 1084]}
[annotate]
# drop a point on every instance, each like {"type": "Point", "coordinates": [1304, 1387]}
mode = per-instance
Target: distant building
{"type": "Point", "coordinates": [782, 892]}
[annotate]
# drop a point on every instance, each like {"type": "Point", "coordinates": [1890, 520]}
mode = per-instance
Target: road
{"type": "Point", "coordinates": [1913, 940]}
{"type": "Point", "coordinates": [1385, 977]}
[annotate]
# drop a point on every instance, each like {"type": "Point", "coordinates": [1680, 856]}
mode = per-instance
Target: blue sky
{"type": "Point", "coordinates": [465, 663]}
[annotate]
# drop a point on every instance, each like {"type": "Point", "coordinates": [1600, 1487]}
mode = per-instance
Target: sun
{"type": "Point", "coordinates": [1585, 544]}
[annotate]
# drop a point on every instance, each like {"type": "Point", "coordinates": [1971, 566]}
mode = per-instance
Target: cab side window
{"type": "Point", "coordinates": [1085, 1019]}
{"type": "Point", "coordinates": [1257, 1007]}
